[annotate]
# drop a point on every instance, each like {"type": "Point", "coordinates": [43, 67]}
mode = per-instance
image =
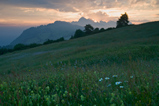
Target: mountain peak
{"type": "Point", "coordinates": [82, 18]}
{"type": "Point", "coordinates": [60, 22]}
{"type": "Point", "coordinates": [102, 24]}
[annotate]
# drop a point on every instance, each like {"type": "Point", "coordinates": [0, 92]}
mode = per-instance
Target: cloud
{"type": "Point", "coordinates": [67, 5]}
{"type": "Point", "coordinates": [61, 5]}
{"type": "Point", "coordinates": [79, 5]}
{"type": "Point", "coordinates": [45, 11]}
{"type": "Point", "coordinates": [101, 16]}
{"type": "Point", "coordinates": [139, 21]}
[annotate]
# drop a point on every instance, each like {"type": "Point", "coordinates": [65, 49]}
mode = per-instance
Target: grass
{"type": "Point", "coordinates": [117, 67]}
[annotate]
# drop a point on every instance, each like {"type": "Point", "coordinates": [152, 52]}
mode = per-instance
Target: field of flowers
{"type": "Point", "coordinates": [132, 83]}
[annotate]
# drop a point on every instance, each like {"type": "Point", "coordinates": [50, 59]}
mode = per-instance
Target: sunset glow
{"type": "Point", "coordinates": [20, 12]}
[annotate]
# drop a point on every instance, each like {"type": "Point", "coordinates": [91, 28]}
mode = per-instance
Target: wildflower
{"type": "Point", "coordinates": [115, 76]}
{"type": "Point", "coordinates": [109, 85]}
{"type": "Point", "coordinates": [101, 79]}
{"type": "Point", "coordinates": [131, 76]}
{"type": "Point", "coordinates": [117, 83]}
{"type": "Point", "coordinates": [47, 88]}
{"type": "Point", "coordinates": [1, 86]}
{"type": "Point", "coordinates": [47, 99]}
{"type": "Point", "coordinates": [113, 104]}
{"type": "Point", "coordinates": [121, 86]}
{"type": "Point", "coordinates": [64, 95]}
{"type": "Point", "coordinates": [95, 99]}
{"type": "Point", "coordinates": [82, 98]}
{"type": "Point", "coordinates": [63, 101]}
{"type": "Point", "coordinates": [112, 94]}
{"type": "Point", "coordinates": [70, 94]}
{"type": "Point", "coordinates": [66, 92]}
{"type": "Point", "coordinates": [107, 78]}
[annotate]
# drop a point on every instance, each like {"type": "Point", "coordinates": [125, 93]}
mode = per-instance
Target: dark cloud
{"type": "Point", "coordinates": [75, 5]}
{"type": "Point", "coordinates": [63, 5]}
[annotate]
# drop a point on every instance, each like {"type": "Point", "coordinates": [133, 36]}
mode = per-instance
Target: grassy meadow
{"type": "Point", "coordinates": [119, 67]}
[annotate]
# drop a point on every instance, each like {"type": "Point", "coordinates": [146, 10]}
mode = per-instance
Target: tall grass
{"type": "Point", "coordinates": [132, 83]}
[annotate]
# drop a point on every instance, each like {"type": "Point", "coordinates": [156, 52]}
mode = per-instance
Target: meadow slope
{"type": "Point", "coordinates": [116, 67]}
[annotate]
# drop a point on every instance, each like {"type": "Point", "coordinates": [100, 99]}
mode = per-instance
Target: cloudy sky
{"type": "Point", "coordinates": [37, 12]}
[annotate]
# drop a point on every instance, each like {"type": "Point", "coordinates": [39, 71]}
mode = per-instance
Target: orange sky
{"type": "Point", "coordinates": [32, 13]}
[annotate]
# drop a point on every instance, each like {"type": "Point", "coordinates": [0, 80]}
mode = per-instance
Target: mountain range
{"type": "Point", "coordinates": [83, 21]}
{"type": "Point", "coordinates": [42, 33]}
{"type": "Point", "coordinates": [57, 30]}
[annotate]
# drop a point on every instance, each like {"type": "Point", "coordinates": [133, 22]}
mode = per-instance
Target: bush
{"type": "Point", "coordinates": [53, 41]}
{"type": "Point", "coordinates": [20, 47]}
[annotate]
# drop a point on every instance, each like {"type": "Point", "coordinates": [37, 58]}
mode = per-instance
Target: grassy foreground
{"type": "Point", "coordinates": [117, 67]}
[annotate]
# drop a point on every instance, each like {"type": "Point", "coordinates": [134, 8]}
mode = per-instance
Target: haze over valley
{"type": "Point", "coordinates": [10, 34]}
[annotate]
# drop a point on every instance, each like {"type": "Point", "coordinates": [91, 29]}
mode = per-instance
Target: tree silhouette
{"type": "Point", "coordinates": [79, 33]}
{"type": "Point", "coordinates": [123, 21]}
{"type": "Point", "coordinates": [88, 29]}
{"type": "Point", "coordinates": [102, 30]}
{"type": "Point", "coordinates": [96, 30]}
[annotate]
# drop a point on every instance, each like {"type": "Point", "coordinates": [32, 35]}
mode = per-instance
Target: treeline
{"type": "Point", "coordinates": [122, 22]}
{"type": "Point", "coordinates": [23, 47]}
{"type": "Point", "coordinates": [89, 30]}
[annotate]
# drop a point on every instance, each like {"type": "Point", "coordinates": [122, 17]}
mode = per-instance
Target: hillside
{"type": "Point", "coordinates": [42, 33]}
{"type": "Point", "coordinates": [127, 40]}
{"type": "Point", "coordinates": [115, 67]}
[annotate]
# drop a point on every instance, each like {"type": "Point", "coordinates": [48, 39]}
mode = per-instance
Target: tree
{"type": "Point", "coordinates": [79, 33]}
{"type": "Point", "coordinates": [88, 29]}
{"type": "Point", "coordinates": [96, 30]}
{"type": "Point", "coordinates": [123, 21]}
{"type": "Point", "coordinates": [20, 47]}
{"type": "Point", "coordinates": [102, 30]}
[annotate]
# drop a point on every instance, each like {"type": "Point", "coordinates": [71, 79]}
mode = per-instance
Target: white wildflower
{"type": "Point", "coordinates": [131, 76]}
{"type": "Point", "coordinates": [115, 76]}
{"type": "Point", "coordinates": [117, 83]}
{"type": "Point", "coordinates": [101, 79]}
{"type": "Point", "coordinates": [121, 86]}
{"type": "Point", "coordinates": [107, 78]}
{"type": "Point", "coordinates": [109, 85]}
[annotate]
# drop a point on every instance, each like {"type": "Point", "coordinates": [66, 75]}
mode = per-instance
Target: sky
{"type": "Point", "coordinates": [26, 13]}
{"type": "Point", "coordinates": [37, 12]}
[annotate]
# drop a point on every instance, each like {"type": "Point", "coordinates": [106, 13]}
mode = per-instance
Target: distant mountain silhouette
{"type": "Point", "coordinates": [83, 21]}
{"type": "Point", "coordinates": [57, 30]}
{"type": "Point", "coordinates": [42, 33]}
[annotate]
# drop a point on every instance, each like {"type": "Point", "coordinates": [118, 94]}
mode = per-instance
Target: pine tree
{"type": "Point", "coordinates": [123, 21]}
